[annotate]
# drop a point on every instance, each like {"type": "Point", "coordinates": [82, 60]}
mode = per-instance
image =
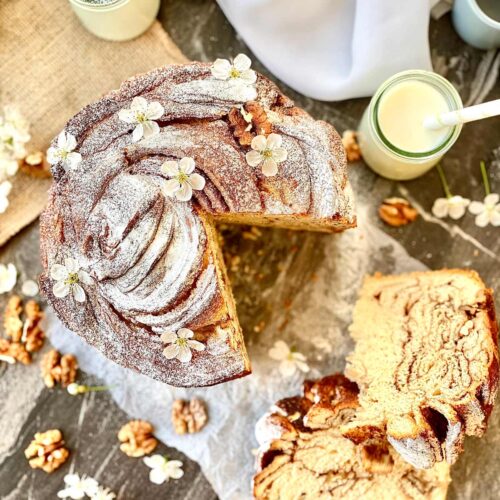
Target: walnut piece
{"type": "Point", "coordinates": [137, 438]}
{"type": "Point", "coordinates": [189, 416]}
{"type": "Point", "coordinates": [33, 335]}
{"type": "Point", "coordinates": [12, 319]}
{"type": "Point", "coordinates": [36, 165]}
{"type": "Point", "coordinates": [249, 121]}
{"type": "Point", "coordinates": [11, 352]}
{"type": "Point", "coordinates": [47, 451]}
{"type": "Point", "coordinates": [351, 146]}
{"type": "Point", "coordinates": [57, 369]}
{"type": "Point", "coordinates": [397, 212]}
{"type": "Point", "coordinates": [23, 338]}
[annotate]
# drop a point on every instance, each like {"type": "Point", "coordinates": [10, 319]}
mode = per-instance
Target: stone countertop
{"type": "Point", "coordinates": [90, 423]}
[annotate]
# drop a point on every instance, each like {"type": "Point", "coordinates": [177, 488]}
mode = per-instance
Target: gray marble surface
{"type": "Point", "coordinates": [90, 423]}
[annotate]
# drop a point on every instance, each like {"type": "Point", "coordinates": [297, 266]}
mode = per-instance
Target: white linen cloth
{"type": "Point", "coordinates": [334, 49]}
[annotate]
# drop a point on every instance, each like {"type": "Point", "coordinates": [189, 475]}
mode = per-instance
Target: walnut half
{"type": "Point", "coordinates": [47, 451]}
{"type": "Point", "coordinates": [137, 438]}
{"type": "Point", "coordinates": [397, 212]}
{"type": "Point", "coordinates": [57, 369]}
{"type": "Point", "coordinates": [189, 416]}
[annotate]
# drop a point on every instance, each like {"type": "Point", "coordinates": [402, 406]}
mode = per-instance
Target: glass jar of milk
{"type": "Point", "coordinates": [392, 138]}
{"type": "Point", "coordinates": [116, 20]}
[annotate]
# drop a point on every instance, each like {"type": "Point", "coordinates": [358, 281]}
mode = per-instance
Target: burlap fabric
{"type": "Point", "coordinates": [50, 67]}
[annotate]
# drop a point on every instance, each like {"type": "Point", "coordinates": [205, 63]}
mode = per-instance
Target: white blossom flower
{"type": "Point", "coordinates": [8, 167]}
{"type": "Point", "coordinates": [267, 151]}
{"type": "Point", "coordinates": [68, 278]}
{"type": "Point", "coordinates": [102, 494]}
{"type": "Point", "coordinates": [143, 114]}
{"type": "Point", "coordinates": [453, 207]}
{"type": "Point", "coordinates": [163, 469]}
{"type": "Point", "coordinates": [290, 361]}
{"type": "Point", "coordinates": [5, 188]}
{"type": "Point", "coordinates": [77, 487]}
{"type": "Point", "coordinates": [30, 288]}
{"type": "Point", "coordinates": [238, 73]}
{"type": "Point", "coordinates": [64, 152]}
{"type": "Point", "coordinates": [182, 179]}
{"type": "Point", "coordinates": [181, 344]}
{"type": "Point", "coordinates": [487, 212]}
{"type": "Point", "coordinates": [8, 277]}
{"type": "Point", "coordinates": [14, 134]}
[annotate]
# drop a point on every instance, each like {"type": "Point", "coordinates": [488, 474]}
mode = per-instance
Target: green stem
{"type": "Point", "coordinates": [486, 182]}
{"type": "Point", "coordinates": [446, 188]}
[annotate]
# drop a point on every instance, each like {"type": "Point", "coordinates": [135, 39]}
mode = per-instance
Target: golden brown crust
{"type": "Point", "coordinates": [154, 261]}
{"type": "Point", "coordinates": [302, 456]}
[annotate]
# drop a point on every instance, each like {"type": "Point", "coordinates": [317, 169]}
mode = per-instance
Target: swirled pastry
{"type": "Point", "coordinates": [128, 242]}
{"type": "Point", "coordinates": [426, 362]}
{"type": "Point", "coordinates": [303, 454]}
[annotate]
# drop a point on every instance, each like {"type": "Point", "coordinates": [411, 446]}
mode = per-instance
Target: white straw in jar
{"type": "Point", "coordinates": [470, 114]}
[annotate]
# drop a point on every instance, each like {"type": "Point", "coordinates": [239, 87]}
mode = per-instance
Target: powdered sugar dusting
{"type": "Point", "coordinates": [150, 255]}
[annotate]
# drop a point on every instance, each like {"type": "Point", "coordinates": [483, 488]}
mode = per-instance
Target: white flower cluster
{"type": "Point", "coordinates": [14, 134]}
{"type": "Point", "coordinates": [454, 206]}
{"type": "Point", "coordinates": [76, 488]}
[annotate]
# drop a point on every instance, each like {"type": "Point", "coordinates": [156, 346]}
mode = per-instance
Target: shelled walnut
{"type": "Point", "coordinates": [47, 451]}
{"type": "Point", "coordinates": [36, 165]}
{"type": "Point", "coordinates": [57, 369]}
{"type": "Point", "coordinates": [351, 146]}
{"type": "Point", "coordinates": [33, 335]}
{"type": "Point", "coordinates": [189, 416]}
{"type": "Point", "coordinates": [23, 337]}
{"type": "Point", "coordinates": [248, 121]}
{"type": "Point", "coordinates": [10, 352]}
{"type": "Point", "coordinates": [12, 319]}
{"type": "Point", "coordinates": [137, 438]}
{"type": "Point", "coordinates": [397, 212]}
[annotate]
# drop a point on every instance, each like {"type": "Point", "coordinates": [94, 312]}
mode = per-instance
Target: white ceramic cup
{"type": "Point", "coordinates": [116, 20]}
{"type": "Point", "coordinates": [474, 25]}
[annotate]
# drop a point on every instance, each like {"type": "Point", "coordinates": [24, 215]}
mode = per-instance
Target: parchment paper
{"type": "Point", "coordinates": [324, 284]}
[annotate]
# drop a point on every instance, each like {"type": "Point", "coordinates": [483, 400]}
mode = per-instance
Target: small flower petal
{"type": "Point", "coordinates": [476, 207]}
{"type": "Point", "coordinates": [279, 351]}
{"type": "Point", "coordinates": [259, 143]}
{"type": "Point", "coordinates": [158, 476]}
{"type": "Point", "coordinates": [184, 193]}
{"type": "Point", "coordinates": [221, 69]}
{"type": "Point", "coordinates": [273, 141]}
{"type": "Point", "coordinates": [168, 337]}
{"type": "Point", "coordinates": [58, 272]}
{"type": "Point", "coordinates": [61, 289]}
{"type": "Point", "coordinates": [78, 292]}
{"type": "Point", "coordinates": [197, 181]}
{"type": "Point", "coordinates": [249, 77]}
{"type": "Point", "coordinates": [171, 351]}
{"type": "Point", "coordinates": [171, 187]}
{"type": "Point", "coordinates": [440, 208]}
{"type": "Point", "coordinates": [197, 346]}
{"type": "Point", "coordinates": [287, 368]}
{"type": "Point", "coordinates": [186, 165]}
{"type": "Point", "coordinates": [280, 155]}
{"type": "Point", "coordinates": [269, 167]}
{"type": "Point", "coordinates": [254, 158]}
{"type": "Point", "coordinates": [138, 132]}
{"type": "Point", "coordinates": [170, 168]}
{"type": "Point", "coordinates": [242, 62]}
{"type": "Point", "coordinates": [185, 333]}
{"type": "Point", "coordinates": [185, 354]}
{"type": "Point", "coordinates": [71, 265]}
{"type": "Point", "coordinates": [150, 129]}
{"type": "Point", "coordinates": [155, 111]}
{"type": "Point", "coordinates": [491, 200]}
